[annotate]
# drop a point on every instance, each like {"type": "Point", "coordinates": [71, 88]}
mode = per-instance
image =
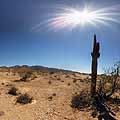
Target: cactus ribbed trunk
{"type": "Point", "coordinates": [95, 55]}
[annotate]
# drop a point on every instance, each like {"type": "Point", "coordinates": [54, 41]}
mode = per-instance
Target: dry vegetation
{"type": "Point", "coordinates": [27, 94]}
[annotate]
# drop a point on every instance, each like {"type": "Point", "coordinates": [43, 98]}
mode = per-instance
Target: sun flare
{"type": "Point", "coordinates": [72, 17]}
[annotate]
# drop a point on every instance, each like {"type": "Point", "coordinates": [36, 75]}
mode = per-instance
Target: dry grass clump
{"type": "Point", "coordinates": [54, 94]}
{"type": "Point", "coordinates": [81, 100]}
{"type": "Point", "coordinates": [58, 78]}
{"type": "Point", "coordinates": [51, 72]}
{"type": "Point", "coordinates": [49, 82]}
{"type": "Point", "coordinates": [50, 98]}
{"type": "Point", "coordinates": [68, 84]}
{"type": "Point", "coordinates": [74, 81]}
{"type": "Point", "coordinates": [27, 76]}
{"type": "Point", "coordinates": [13, 91]}
{"type": "Point", "coordinates": [24, 99]}
{"type": "Point", "coordinates": [67, 76]}
{"type": "Point", "coordinates": [2, 83]}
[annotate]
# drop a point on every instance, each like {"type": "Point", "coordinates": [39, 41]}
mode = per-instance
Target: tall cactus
{"type": "Point", "coordinates": [95, 55]}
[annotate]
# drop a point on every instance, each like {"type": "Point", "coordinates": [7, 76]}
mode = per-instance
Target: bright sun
{"type": "Point", "coordinates": [75, 17]}
{"type": "Point", "coordinates": [71, 17]}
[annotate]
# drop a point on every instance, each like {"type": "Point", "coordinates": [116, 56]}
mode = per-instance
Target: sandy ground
{"type": "Point", "coordinates": [43, 108]}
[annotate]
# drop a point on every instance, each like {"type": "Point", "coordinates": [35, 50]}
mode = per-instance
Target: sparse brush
{"type": "Point", "coordinates": [50, 98]}
{"type": "Point", "coordinates": [58, 79]}
{"type": "Point", "coordinates": [3, 83]}
{"type": "Point", "coordinates": [68, 84]}
{"type": "Point", "coordinates": [24, 99]}
{"type": "Point", "coordinates": [13, 91]}
{"type": "Point", "coordinates": [27, 76]}
{"type": "Point", "coordinates": [81, 101]}
{"type": "Point", "coordinates": [49, 82]}
{"type": "Point", "coordinates": [74, 81]}
{"type": "Point", "coordinates": [51, 73]}
{"type": "Point", "coordinates": [67, 76]}
{"type": "Point", "coordinates": [54, 94]}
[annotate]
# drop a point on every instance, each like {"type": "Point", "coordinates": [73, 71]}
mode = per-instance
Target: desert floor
{"type": "Point", "coordinates": [52, 95]}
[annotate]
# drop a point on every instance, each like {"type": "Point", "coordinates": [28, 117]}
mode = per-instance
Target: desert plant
{"type": "Point", "coordinates": [67, 76]}
{"type": "Point", "coordinates": [50, 98]}
{"type": "Point", "coordinates": [3, 83]}
{"type": "Point", "coordinates": [74, 81]}
{"type": "Point", "coordinates": [54, 94]}
{"type": "Point", "coordinates": [13, 91]}
{"type": "Point", "coordinates": [51, 72]}
{"type": "Point", "coordinates": [24, 99]}
{"type": "Point", "coordinates": [58, 78]}
{"type": "Point", "coordinates": [68, 84]}
{"type": "Point", "coordinates": [109, 82]}
{"type": "Point", "coordinates": [26, 76]}
{"type": "Point", "coordinates": [49, 82]}
{"type": "Point", "coordinates": [81, 100]}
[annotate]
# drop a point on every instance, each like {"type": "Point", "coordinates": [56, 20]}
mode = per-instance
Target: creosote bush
{"type": "Point", "coordinates": [13, 91]}
{"type": "Point", "coordinates": [68, 84]}
{"type": "Point", "coordinates": [74, 81]}
{"type": "Point", "coordinates": [51, 72]}
{"type": "Point", "coordinates": [54, 94]}
{"type": "Point", "coordinates": [49, 82]}
{"type": "Point", "coordinates": [24, 99]}
{"type": "Point", "coordinates": [81, 100]}
{"type": "Point", "coordinates": [27, 76]}
{"type": "Point", "coordinates": [50, 98]}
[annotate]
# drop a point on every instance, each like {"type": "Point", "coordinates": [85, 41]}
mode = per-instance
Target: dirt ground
{"type": "Point", "coordinates": [52, 95]}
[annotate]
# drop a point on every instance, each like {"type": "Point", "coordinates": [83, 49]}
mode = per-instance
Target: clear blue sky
{"type": "Point", "coordinates": [61, 49]}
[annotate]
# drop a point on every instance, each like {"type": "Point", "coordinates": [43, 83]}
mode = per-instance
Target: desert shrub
{"type": "Point", "coordinates": [82, 80]}
{"type": "Point", "coordinates": [59, 78]}
{"type": "Point", "coordinates": [74, 81]}
{"type": "Point", "coordinates": [68, 84]}
{"type": "Point", "coordinates": [81, 100]}
{"type": "Point", "coordinates": [3, 83]}
{"type": "Point", "coordinates": [27, 76]}
{"type": "Point", "coordinates": [51, 73]}
{"type": "Point", "coordinates": [49, 82]}
{"type": "Point", "coordinates": [50, 98]}
{"type": "Point", "coordinates": [7, 74]}
{"type": "Point", "coordinates": [67, 76]}
{"type": "Point", "coordinates": [54, 94]}
{"type": "Point", "coordinates": [24, 99]}
{"type": "Point", "coordinates": [13, 91]}
{"type": "Point", "coordinates": [110, 81]}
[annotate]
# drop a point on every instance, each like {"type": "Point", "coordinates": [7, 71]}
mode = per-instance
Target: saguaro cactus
{"type": "Point", "coordinates": [95, 55]}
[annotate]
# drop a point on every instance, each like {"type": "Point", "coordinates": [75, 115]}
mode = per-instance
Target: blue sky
{"type": "Point", "coordinates": [61, 49]}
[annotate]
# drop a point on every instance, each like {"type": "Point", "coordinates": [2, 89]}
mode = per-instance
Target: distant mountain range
{"type": "Point", "coordinates": [33, 68]}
